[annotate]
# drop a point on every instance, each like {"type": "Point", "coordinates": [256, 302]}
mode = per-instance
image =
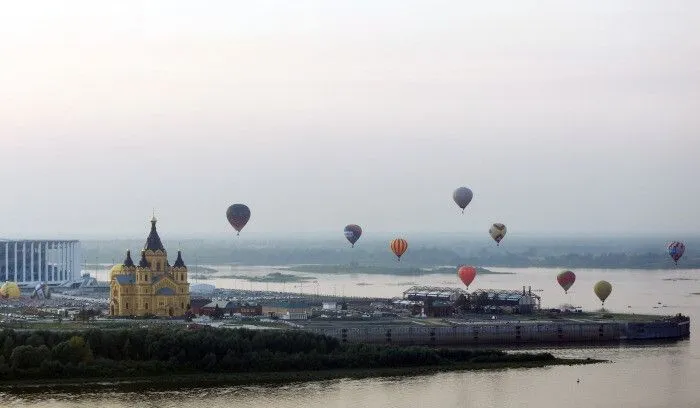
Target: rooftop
{"type": "Point", "coordinates": [503, 294]}
{"type": "Point", "coordinates": [432, 292]}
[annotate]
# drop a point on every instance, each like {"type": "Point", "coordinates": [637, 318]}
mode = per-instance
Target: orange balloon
{"type": "Point", "coordinates": [399, 246]}
{"type": "Point", "coordinates": [466, 274]}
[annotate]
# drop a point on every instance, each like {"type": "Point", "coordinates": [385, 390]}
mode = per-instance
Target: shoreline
{"type": "Point", "coordinates": [158, 382]}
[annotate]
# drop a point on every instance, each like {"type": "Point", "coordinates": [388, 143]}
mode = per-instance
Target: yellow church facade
{"type": "Point", "coordinates": [151, 287]}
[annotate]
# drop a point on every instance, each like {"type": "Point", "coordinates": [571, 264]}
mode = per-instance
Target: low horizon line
{"type": "Point", "coordinates": [375, 235]}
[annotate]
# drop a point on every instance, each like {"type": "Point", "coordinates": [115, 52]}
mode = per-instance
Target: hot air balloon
{"type": "Point", "coordinates": [41, 291]}
{"type": "Point", "coordinates": [566, 279]}
{"type": "Point", "coordinates": [352, 233]}
{"type": "Point", "coordinates": [466, 274]}
{"type": "Point", "coordinates": [10, 290]}
{"type": "Point", "coordinates": [497, 232]}
{"type": "Point", "coordinates": [238, 215]}
{"type": "Point", "coordinates": [399, 246]}
{"type": "Point", "coordinates": [676, 250]}
{"type": "Point", "coordinates": [462, 196]}
{"type": "Point", "coordinates": [602, 289]}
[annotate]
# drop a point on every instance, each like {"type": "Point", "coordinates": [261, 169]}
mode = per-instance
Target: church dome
{"type": "Point", "coordinates": [153, 242]}
{"type": "Point", "coordinates": [128, 262]}
{"type": "Point", "coordinates": [143, 263]}
{"type": "Point", "coordinates": [179, 263]}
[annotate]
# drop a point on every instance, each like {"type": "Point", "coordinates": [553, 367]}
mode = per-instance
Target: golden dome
{"type": "Point", "coordinates": [10, 290]}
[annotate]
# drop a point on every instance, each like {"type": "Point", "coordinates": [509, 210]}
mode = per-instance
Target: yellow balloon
{"type": "Point", "coordinates": [602, 289]}
{"type": "Point", "coordinates": [116, 270]}
{"type": "Point", "coordinates": [10, 290]}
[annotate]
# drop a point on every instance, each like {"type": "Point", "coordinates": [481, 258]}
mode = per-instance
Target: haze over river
{"type": "Point", "coordinates": [649, 375]}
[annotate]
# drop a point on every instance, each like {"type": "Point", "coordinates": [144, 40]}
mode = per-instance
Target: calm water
{"type": "Point", "coordinates": [659, 375]}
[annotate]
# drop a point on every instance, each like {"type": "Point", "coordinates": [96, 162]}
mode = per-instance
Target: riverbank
{"type": "Point", "coordinates": [240, 356]}
{"type": "Point", "coordinates": [178, 381]}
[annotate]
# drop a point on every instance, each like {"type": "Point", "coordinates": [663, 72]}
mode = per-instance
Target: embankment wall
{"type": "Point", "coordinates": [507, 333]}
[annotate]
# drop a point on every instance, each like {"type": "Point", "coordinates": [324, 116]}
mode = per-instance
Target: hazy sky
{"type": "Point", "coordinates": [564, 116]}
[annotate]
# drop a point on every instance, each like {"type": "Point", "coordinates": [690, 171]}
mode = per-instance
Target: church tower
{"type": "Point", "coordinates": [156, 255]}
{"type": "Point", "coordinates": [151, 287]}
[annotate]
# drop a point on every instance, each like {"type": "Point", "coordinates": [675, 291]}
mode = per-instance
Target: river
{"type": "Point", "coordinates": [650, 375]}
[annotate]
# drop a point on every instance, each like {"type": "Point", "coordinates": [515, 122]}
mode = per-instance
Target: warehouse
{"type": "Point", "coordinates": [508, 301]}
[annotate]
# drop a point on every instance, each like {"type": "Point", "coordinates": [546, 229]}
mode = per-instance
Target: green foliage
{"type": "Point", "coordinates": [29, 356]}
{"type": "Point", "coordinates": [159, 351]}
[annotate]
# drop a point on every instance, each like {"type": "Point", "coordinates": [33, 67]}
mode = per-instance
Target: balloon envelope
{"type": "Point", "coordinates": [466, 274]}
{"type": "Point", "coordinates": [41, 291]}
{"type": "Point", "coordinates": [238, 216]}
{"type": "Point", "coordinates": [352, 233]}
{"type": "Point", "coordinates": [398, 246]}
{"type": "Point", "coordinates": [462, 196]}
{"type": "Point", "coordinates": [497, 232]}
{"type": "Point", "coordinates": [566, 279]}
{"type": "Point", "coordinates": [676, 250]}
{"type": "Point", "coordinates": [10, 290]}
{"type": "Point", "coordinates": [602, 289]}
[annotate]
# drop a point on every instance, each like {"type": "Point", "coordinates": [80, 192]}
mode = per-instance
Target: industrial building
{"type": "Point", "coordinates": [287, 310]}
{"type": "Point", "coordinates": [28, 262]}
{"type": "Point", "coordinates": [432, 293]}
{"type": "Point", "coordinates": [230, 308]}
{"type": "Point", "coordinates": [440, 302]}
{"type": "Point", "coordinates": [509, 301]}
{"type": "Point", "coordinates": [433, 301]}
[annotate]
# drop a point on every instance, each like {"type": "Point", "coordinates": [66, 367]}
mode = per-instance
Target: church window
{"type": "Point", "coordinates": [158, 266]}
{"type": "Point", "coordinates": [182, 305]}
{"type": "Point", "coordinates": [127, 305]}
{"type": "Point", "coordinates": [145, 306]}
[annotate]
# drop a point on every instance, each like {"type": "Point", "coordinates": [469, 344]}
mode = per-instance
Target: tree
{"type": "Point", "coordinates": [74, 350]}
{"type": "Point", "coordinates": [36, 339]}
{"type": "Point", "coordinates": [209, 361]}
{"type": "Point", "coordinates": [7, 346]}
{"type": "Point", "coordinates": [127, 350]}
{"type": "Point", "coordinates": [24, 357]}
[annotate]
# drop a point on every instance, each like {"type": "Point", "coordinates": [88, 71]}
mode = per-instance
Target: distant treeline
{"type": "Point", "coordinates": [160, 351]}
{"type": "Point", "coordinates": [354, 268]}
{"type": "Point", "coordinates": [572, 256]}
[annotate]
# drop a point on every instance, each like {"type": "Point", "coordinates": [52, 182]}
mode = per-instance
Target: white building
{"type": "Point", "coordinates": [331, 306]}
{"type": "Point", "coordinates": [28, 262]}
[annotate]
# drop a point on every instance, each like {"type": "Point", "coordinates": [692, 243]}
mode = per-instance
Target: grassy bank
{"type": "Point", "coordinates": [204, 379]}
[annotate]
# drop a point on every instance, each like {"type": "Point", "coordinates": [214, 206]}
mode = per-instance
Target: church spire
{"type": "Point", "coordinates": [179, 263]}
{"type": "Point", "coordinates": [143, 263]}
{"type": "Point", "coordinates": [127, 261]}
{"type": "Point", "coordinates": [153, 242]}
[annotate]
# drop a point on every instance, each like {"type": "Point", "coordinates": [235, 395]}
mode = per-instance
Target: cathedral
{"type": "Point", "coordinates": [151, 287]}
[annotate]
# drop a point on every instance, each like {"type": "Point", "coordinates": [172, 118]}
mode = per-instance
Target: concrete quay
{"type": "Point", "coordinates": [452, 332]}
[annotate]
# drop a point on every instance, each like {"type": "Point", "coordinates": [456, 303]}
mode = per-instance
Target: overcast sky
{"type": "Point", "coordinates": [562, 116]}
